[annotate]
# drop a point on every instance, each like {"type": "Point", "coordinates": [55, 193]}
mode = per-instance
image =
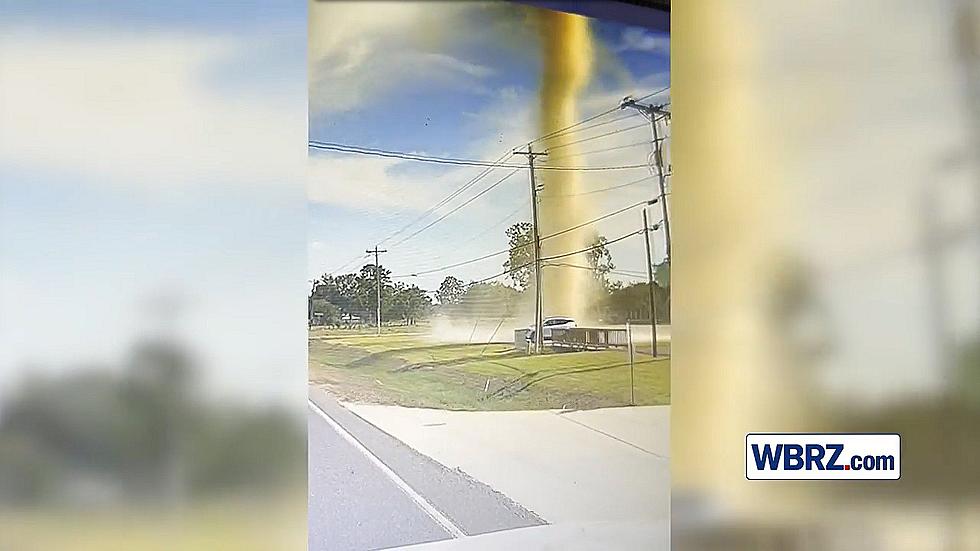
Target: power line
{"type": "Point", "coordinates": [456, 265]}
{"type": "Point", "coordinates": [489, 165]}
{"type": "Point", "coordinates": [510, 249]}
{"type": "Point", "coordinates": [597, 136]}
{"type": "Point", "coordinates": [601, 190]}
{"type": "Point", "coordinates": [553, 257]}
{"type": "Point", "coordinates": [594, 220]}
{"type": "Point", "coordinates": [603, 150]}
{"type": "Point", "coordinates": [346, 264]}
{"type": "Point", "coordinates": [497, 224]}
{"type": "Point", "coordinates": [461, 205]}
{"type": "Point", "coordinates": [600, 123]}
{"type": "Point", "coordinates": [481, 233]}
{"type": "Point", "coordinates": [594, 117]}
{"type": "Point", "coordinates": [343, 148]}
{"type": "Point", "coordinates": [497, 163]}
{"type": "Point", "coordinates": [596, 246]}
{"type": "Point", "coordinates": [617, 272]}
{"type": "Point", "coordinates": [448, 198]}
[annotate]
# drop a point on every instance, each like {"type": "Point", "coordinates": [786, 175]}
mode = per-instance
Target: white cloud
{"type": "Point", "coordinates": [641, 40]}
{"type": "Point", "coordinates": [360, 52]}
{"type": "Point", "coordinates": [141, 111]}
{"type": "Point", "coordinates": [364, 184]}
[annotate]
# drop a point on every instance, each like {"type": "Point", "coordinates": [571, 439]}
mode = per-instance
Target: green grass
{"type": "Point", "coordinates": [407, 368]}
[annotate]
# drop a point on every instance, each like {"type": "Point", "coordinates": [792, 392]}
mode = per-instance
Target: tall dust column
{"type": "Point", "coordinates": [566, 42]}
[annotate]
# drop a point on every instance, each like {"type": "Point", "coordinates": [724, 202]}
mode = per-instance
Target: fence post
{"type": "Point", "coordinates": [629, 346]}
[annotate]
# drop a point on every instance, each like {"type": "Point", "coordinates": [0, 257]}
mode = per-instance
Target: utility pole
{"type": "Point", "coordinates": [377, 277]}
{"type": "Point", "coordinates": [651, 112]}
{"type": "Point", "coordinates": [653, 302]}
{"type": "Point", "coordinates": [538, 337]}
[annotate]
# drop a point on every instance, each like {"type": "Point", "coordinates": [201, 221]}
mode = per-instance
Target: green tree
{"type": "Point", "coordinates": [520, 259]}
{"type": "Point", "coordinates": [487, 300]}
{"type": "Point", "coordinates": [450, 291]}
{"type": "Point", "coordinates": [324, 312]}
{"type": "Point", "coordinates": [366, 291]}
{"type": "Point", "coordinates": [409, 303]}
{"type": "Point", "coordinates": [633, 302]}
{"type": "Point", "coordinates": [600, 260]}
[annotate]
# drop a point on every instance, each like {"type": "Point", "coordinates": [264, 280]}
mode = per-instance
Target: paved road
{"type": "Point", "coordinates": [370, 491]}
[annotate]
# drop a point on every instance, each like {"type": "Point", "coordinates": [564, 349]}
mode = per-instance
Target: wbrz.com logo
{"type": "Point", "coordinates": [823, 456]}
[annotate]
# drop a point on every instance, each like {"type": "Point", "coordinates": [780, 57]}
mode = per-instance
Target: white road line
{"type": "Point", "coordinates": [423, 503]}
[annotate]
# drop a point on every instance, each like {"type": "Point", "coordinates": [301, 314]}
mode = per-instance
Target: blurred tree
{"type": "Point", "coordinates": [324, 312]}
{"type": "Point", "coordinates": [486, 300]}
{"type": "Point", "coordinates": [406, 303]}
{"type": "Point", "coordinates": [520, 259]}
{"type": "Point", "coordinates": [450, 290]}
{"type": "Point", "coordinates": [600, 260]}
{"type": "Point", "coordinates": [625, 302]}
{"type": "Point", "coordinates": [968, 374]}
{"type": "Point", "coordinates": [94, 435]}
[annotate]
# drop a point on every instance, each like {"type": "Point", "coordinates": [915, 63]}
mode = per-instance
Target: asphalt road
{"type": "Point", "coordinates": [370, 491]}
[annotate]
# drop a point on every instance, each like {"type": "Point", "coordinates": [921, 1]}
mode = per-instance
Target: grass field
{"type": "Point", "coordinates": [407, 367]}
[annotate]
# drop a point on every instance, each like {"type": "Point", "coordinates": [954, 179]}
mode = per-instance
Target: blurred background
{"type": "Point", "coordinates": [152, 225]}
{"type": "Point", "coordinates": [827, 258]}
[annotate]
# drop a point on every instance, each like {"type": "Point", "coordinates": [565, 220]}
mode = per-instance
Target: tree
{"type": "Point", "coordinates": [355, 294]}
{"type": "Point", "coordinates": [339, 291]}
{"type": "Point", "coordinates": [633, 302]}
{"type": "Point", "coordinates": [367, 288]}
{"type": "Point", "coordinates": [324, 312]}
{"type": "Point", "coordinates": [600, 260]}
{"type": "Point", "coordinates": [483, 300]}
{"type": "Point", "coordinates": [450, 291]}
{"type": "Point", "coordinates": [520, 260]}
{"type": "Point", "coordinates": [412, 303]}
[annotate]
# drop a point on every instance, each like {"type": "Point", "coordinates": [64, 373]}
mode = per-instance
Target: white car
{"type": "Point", "coordinates": [549, 324]}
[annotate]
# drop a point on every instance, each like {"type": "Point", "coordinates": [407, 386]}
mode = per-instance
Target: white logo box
{"type": "Point", "coordinates": [862, 456]}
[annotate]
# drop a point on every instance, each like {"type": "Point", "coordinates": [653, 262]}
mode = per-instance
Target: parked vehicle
{"type": "Point", "coordinates": [548, 325]}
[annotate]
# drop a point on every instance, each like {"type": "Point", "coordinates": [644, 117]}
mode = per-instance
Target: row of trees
{"type": "Point", "coordinates": [350, 299]}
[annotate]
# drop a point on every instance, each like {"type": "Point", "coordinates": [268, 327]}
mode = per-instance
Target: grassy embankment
{"type": "Point", "coordinates": [407, 367]}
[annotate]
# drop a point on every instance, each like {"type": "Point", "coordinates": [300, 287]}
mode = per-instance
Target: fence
{"type": "Point", "coordinates": [600, 338]}
{"type": "Point", "coordinates": [589, 338]}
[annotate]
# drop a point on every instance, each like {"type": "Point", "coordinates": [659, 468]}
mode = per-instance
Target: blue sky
{"type": "Point", "coordinates": [177, 14]}
{"type": "Point", "coordinates": [469, 92]}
